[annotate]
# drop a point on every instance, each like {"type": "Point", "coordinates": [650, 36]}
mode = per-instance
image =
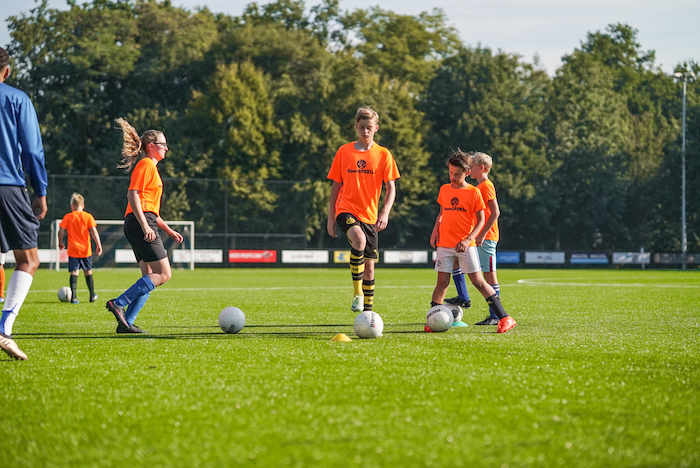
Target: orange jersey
{"type": "Point", "coordinates": [488, 192]}
{"type": "Point", "coordinates": [78, 224]}
{"type": "Point", "coordinates": [146, 179]}
{"type": "Point", "coordinates": [362, 174]}
{"type": "Point", "coordinates": [459, 208]}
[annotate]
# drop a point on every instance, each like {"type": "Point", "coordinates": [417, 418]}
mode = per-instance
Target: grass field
{"type": "Point", "coordinates": [602, 370]}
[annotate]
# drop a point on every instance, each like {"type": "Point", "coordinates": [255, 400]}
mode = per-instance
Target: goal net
{"type": "Point", "coordinates": [116, 250]}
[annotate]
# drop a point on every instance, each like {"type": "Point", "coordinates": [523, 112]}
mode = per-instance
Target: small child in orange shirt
{"type": "Point", "coordinates": [80, 226]}
{"type": "Point", "coordinates": [458, 224]}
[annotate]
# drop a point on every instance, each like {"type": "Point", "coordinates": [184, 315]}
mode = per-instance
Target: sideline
{"type": "Point", "coordinates": [549, 282]}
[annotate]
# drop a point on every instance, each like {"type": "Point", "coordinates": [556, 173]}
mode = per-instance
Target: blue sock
{"type": "Point", "coordinates": [135, 307]}
{"type": "Point", "coordinates": [497, 288]}
{"type": "Point", "coordinates": [5, 314]}
{"type": "Point", "coordinates": [460, 284]}
{"type": "Point", "coordinates": [142, 286]}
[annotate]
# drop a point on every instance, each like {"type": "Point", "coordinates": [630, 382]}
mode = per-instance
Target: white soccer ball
{"type": "Point", "coordinates": [457, 312]}
{"type": "Point", "coordinates": [231, 320]}
{"type": "Point", "coordinates": [439, 318]}
{"type": "Point", "coordinates": [64, 294]}
{"type": "Point", "coordinates": [368, 325]}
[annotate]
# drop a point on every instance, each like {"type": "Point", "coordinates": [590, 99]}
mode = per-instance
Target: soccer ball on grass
{"type": "Point", "coordinates": [439, 318]}
{"type": "Point", "coordinates": [368, 325]}
{"type": "Point", "coordinates": [231, 320]}
{"type": "Point", "coordinates": [64, 294]}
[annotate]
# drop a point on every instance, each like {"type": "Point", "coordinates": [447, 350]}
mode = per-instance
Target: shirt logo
{"type": "Point", "coordinates": [361, 168]}
{"type": "Point", "coordinates": [454, 201]}
{"type": "Point", "coordinates": [350, 220]}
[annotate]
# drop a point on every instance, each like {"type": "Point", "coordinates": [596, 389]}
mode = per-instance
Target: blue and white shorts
{"type": "Point", "coordinates": [487, 256]}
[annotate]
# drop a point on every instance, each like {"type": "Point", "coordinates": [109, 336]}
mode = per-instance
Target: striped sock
{"type": "Point", "coordinates": [492, 312]}
{"type": "Point", "coordinates": [368, 290]}
{"type": "Point", "coordinates": [357, 269]}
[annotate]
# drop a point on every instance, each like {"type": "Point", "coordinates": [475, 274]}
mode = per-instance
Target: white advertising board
{"type": "Point", "coordinates": [544, 257]}
{"type": "Point", "coordinates": [304, 256]}
{"type": "Point", "coordinates": [406, 256]}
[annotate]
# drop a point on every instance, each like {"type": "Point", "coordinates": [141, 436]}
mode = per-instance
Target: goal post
{"type": "Point", "coordinates": [114, 244]}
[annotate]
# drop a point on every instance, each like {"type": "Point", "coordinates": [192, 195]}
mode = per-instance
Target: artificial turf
{"type": "Point", "coordinates": [602, 370]}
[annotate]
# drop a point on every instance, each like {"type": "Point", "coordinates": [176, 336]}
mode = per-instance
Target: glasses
{"type": "Point", "coordinates": [165, 145]}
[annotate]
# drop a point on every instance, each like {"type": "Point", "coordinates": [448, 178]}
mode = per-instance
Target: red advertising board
{"type": "Point", "coordinates": [252, 256]}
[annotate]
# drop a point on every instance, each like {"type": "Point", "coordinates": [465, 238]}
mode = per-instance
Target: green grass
{"type": "Point", "coordinates": [602, 370]}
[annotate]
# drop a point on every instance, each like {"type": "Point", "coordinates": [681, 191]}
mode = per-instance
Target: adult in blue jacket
{"type": "Point", "coordinates": [21, 158]}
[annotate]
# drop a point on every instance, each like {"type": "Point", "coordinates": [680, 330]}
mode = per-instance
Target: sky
{"type": "Point", "coordinates": [547, 29]}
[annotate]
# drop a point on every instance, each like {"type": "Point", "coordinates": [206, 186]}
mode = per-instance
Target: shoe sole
{"type": "Point", "coordinates": [116, 312]}
{"type": "Point", "coordinates": [11, 349]}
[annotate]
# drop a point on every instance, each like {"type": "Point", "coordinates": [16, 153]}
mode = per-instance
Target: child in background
{"type": "Point", "coordinates": [80, 226]}
{"type": "Point", "coordinates": [488, 237]}
{"type": "Point", "coordinates": [459, 222]}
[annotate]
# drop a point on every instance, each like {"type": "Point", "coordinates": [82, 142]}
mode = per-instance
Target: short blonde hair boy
{"type": "Point", "coordinates": [482, 159]}
{"type": "Point", "coordinates": [77, 200]}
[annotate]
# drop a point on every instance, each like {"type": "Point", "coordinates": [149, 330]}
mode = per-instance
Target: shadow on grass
{"type": "Point", "coordinates": [193, 335]}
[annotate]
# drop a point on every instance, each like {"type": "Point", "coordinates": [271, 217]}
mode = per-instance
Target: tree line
{"type": "Point", "coordinates": [587, 159]}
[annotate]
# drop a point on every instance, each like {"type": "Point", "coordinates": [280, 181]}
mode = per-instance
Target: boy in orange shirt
{"type": "Point", "coordinates": [487, 239]}
{"type": "Point", "coordinates": [80, 226]}
{"type": "Point", "coordinates": [459, 222]}
{"type": "Point", "coordinates": [358, 171]}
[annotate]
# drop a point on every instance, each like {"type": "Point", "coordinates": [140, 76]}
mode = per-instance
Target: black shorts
{"type": "Point", "coordinates": [346, 220]}
{"type": "Point", "coordinates": [19, 227]}
{"type": "Point", "coordinates": [143, 250]}
{"type": "Point", "coordinates": [77, 263]}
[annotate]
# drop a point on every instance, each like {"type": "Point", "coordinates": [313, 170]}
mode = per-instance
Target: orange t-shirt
{"type": "Point", "coordinates": [488, 192]}
{"type": "Point", "coordinates": [146, 179]}
{"type": "Point", "coordinates": [77, 224]}
{"type": "Point", "coordinates": [459, 207]}
{"type": "Point", "coordinates": [362, 174]}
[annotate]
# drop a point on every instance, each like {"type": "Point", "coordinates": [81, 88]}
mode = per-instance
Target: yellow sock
{"type": "Point", "coordinates": [357, 269]}
{"type": "Point", "coordinates": [368, 291]}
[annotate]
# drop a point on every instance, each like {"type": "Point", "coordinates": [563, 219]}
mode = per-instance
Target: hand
{"type": "Point", "coordinates": [176, 236]}
{"type": "Point", "coordinates": [382, 222]}
{"type": "Point", "coordinates": [39, 207]}
{"type": "Point", "coordinates": [149, 235]}
{"type": "Point", "coordinates": [479, 240]}
{"type": "Point", "coordinates": [463, 245]}
{"type": "Point", "coordinates": [98, 250]}
{"type": "Point", "coordinates": [434, 239]}
{"type": "Point", "coordinates": [331, 228]}
{"type": "Point", "coordinates": [61, 245]}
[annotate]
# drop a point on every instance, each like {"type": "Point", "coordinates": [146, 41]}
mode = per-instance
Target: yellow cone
{"type": "Point", "coordinates": [341, 337]}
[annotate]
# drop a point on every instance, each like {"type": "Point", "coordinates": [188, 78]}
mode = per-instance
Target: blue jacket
{"type": "Point", "coordinates": [21, 150]}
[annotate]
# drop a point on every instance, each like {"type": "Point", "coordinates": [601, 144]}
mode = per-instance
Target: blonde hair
{"type": "Point", "coordinates": [77, 200]}
{"type": "Point", "coordinates": [133, 145]}
{"type": "Point", "coordinates": [483, 159]}
{"type": "Point", "coordinates": [367, 113]}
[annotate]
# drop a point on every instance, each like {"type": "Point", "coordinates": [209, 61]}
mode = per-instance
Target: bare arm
{"type": "Point", "coordinates": [61, 237]}
{"type": "Point", "coordinates": [495, 213]}
{"type": "Point", "coordinates": [330, 222]}
{"type": "Point", "coordinates": [464, 243]}
{"type": "Point", "coordinates": [383, 218]}
{"type": "Point", "coordinates": [134, 200]}
{"type": "Point", "coordinates": [96, 237]}
{"type": "Point", "coordinates": [168, 230]}
{"type": "Point", "coordinates": [435, 236]}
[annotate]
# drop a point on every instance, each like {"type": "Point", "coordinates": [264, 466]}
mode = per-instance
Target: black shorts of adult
{"type": "Point", "coordinates": [346, 220]}
{"type": "Point", "coordinates": [19, 226]}
{"type": "Point", "coordinates": [78, 263]}
{"type": "Point", "coordinates": [144, 250]}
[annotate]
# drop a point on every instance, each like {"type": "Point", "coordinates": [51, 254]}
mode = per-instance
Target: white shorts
{"type": "Point", "coordinates": [3, 256]}
{"type": "Point", "coordinates": [468, 261]}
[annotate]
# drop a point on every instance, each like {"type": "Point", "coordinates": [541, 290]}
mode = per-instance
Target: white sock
{"type": "Point", "coordinates": [17, 289]}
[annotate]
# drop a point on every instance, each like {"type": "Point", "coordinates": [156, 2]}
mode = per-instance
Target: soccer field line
{"type": "Point", "coordinates": [242, 288]}
{"type": "Point", "coordinates": [547, 282]}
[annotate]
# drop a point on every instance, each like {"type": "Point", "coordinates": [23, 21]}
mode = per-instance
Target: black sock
{"type": "Point", "coordinates": [73, 287]}
{"type": "Point", "coordinates": [433, 304]}
{"type": "Point", "coordinates": [90, 284]}
{"type": "Point", "coordinates": [494, 303]}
